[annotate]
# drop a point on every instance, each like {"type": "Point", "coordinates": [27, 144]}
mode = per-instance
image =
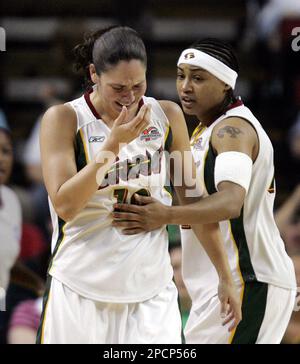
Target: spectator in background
{"type": "Point", "coordinates": [11, 269]}
{"type": "Point", "coordinates": [24, 322]}
{"type": "Point", "coordinates": [275, 23]}
{"type": "Point", "coordinates": [273, 13]}
{"type": "Point", "coordinates": [10, 211]}
{"type": "Point", "coordinates": [268, 41]}
{"type": "Point", "coordinates": [263, 21]}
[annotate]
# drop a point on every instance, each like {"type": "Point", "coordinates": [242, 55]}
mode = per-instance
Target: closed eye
{"type": "Point", "coordinates": [118, 89]}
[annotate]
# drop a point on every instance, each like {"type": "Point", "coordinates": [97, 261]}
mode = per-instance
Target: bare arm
{"type": "Point", "coordinates": [223, 205]}
{"type": "Point", "coordinates": [232, 134]}
{"type": "Point", "coordinates": [21, 335]}
{"type": "Point", "coordinates": [68, 189]}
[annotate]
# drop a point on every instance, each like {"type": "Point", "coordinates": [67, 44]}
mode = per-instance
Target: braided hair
{"type": "Point", "coordinates": [223, 52]}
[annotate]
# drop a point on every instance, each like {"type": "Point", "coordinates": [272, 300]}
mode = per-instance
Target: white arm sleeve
{"type": "Point", "coordinates": [233, 167]}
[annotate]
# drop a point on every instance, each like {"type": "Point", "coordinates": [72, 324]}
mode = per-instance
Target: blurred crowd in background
{"type": "Point", "coordinates": [36, 71]}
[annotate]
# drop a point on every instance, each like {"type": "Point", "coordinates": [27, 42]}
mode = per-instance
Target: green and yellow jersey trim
{"type": "Point", "coordinates": [199, 130]}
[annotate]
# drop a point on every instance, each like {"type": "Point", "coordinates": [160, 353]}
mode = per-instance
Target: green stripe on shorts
{"type": "Point", "coordinates": [45, 301]}
{"type": "Point", "coordinates": [253, 312]}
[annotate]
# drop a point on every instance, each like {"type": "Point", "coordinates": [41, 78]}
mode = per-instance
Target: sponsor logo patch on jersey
{"type": "Point", "coordinates": [152, 133]}
{"type": "Point", "coordinates": [198, 144]}
{"type": "Point", "coordinates": [96, 139]}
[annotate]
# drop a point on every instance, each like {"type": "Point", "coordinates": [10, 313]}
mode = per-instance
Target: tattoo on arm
{"type": "Point", "coordinates": [231, 130]}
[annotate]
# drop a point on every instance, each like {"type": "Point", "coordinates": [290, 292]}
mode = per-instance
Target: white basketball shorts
{"type": "Point", "coordinates": [69, 318]}
{"type": "Point", "coordinates": [266, 311]}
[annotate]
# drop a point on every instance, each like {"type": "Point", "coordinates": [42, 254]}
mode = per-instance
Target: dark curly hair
{"type": "Point", "coordinates": [106, 47]}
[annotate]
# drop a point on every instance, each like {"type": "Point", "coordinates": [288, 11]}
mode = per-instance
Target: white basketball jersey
{"type": "Point", "coordinates": [10, 232]}
{"type": "Point", "coordinates": [92, 257]}
{"type": "Point", "coordinates": [255, 249]}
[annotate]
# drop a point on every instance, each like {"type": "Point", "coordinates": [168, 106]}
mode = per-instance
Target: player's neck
{"type": "Point", "coordinates": [105, 116]}
{"type": "Point", "coordinates": [207, 119]}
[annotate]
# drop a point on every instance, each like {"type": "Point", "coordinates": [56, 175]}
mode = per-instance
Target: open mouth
{"type": "Point", "coordinates": [187, 101]}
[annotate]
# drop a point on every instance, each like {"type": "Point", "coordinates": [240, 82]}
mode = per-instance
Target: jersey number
{"type": "Point", "coordinates": [121, 195]}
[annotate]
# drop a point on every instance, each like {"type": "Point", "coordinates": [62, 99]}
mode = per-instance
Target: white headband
{"type": "Point", "coordinates": [194, 57]}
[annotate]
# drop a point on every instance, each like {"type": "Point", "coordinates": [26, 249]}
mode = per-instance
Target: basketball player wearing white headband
{"type": "Point", "coordinates": [235, 159]}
